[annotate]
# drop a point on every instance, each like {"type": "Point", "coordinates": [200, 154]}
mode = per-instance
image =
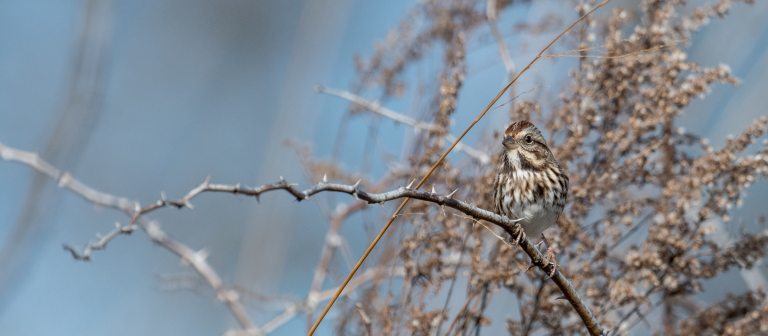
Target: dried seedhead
{"type": "Point", "coordinates": [637, 232]}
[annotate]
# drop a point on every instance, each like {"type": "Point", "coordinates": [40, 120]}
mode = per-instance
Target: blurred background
{"type": "Point", "coordinates": [136, 98]}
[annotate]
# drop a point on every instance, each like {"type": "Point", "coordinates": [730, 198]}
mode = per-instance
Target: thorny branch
{"type": "Point", "coordinates": [196, 259]}
{"type": "Point", "coordinates": [229, 297]}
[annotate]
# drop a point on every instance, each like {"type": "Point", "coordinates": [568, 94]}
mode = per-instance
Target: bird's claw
{"type": "Point", "coordinates": [551, 261]}
{"type": "Point", "coordinates": [550, 258]}
{"type": "Point", "coordinates": [520, 237]}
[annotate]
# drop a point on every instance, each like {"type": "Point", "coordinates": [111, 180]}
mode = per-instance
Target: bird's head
{"type": "Point", "coordinates": [525, 147]}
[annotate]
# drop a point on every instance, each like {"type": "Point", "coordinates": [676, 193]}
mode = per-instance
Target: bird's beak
{"type": "Point", "coordinates": [509, 142]}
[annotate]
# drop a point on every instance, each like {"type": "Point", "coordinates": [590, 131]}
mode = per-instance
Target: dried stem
{"type": "Point", "coordinates": [375, 107]}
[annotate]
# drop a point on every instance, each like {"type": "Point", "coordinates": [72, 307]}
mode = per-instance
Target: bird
{"type": "Point", "coordinates": [530, 185]}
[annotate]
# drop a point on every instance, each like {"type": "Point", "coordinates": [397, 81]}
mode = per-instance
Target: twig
{"type": "Point", "coordinates": [354, 190]}
{"type": "Point", "coordinates": [196, 259]}
{"type": "Point", "coordinates": [642, 316]}
{"type": "Point", "coordinates": [312, 299]}
{"type": "Point", "coordinates": [536, 306]}
{"type": "Point", "coordinates": [491, 14]}
{"type": "Point", "coordinates": [332, 242]}
{"type": "Point", "coordinates": [637, 306]}
{"type": "Point", "coordinates": [620, 326]}
{"type": "Point", "coordinates": [453, 282]}
{"type": "Point", "coordinates": [100, 244]}
{"type": "Point", "coordinates": [333, 239]}
{"type": "Point", "coordinates": [365, 319]}
{"type": "Point", "coordinates": [375, 107]}
{"type": "Point", "coordinates": [65, 180]}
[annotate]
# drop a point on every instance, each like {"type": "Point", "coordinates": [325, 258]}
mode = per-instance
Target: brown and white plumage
{"type": "Point", "coordinates": [530, 183]}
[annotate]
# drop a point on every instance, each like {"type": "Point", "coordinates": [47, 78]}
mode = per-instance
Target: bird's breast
{"type": "Point", "coordinates": [529, 196]}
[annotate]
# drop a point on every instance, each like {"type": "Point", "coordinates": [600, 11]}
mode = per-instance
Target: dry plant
{"type": "Point", "coordinates": [636, 234]}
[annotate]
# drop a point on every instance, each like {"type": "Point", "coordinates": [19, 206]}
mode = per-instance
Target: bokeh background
{"type": "Point", "coordinates": [136, 98]}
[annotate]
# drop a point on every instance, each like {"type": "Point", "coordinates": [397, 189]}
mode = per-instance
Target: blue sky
{"type": "Point", "coordinates": [188, 89]}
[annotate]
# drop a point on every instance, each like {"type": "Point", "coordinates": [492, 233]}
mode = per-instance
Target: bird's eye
{"type": "Point", "coordinates": [528, 139]}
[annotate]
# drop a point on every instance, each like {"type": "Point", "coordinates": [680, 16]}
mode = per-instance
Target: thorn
{"type": "Point", "coordinates": [334, 240]}
{"type": "Point", "coordinates": [354, 189]}
{"type": "Point", "coordinates": [442, 208]}
{"type": "Point", "coordinates": [410, 184]}
{"type": "Point", "coordinates": [452, 193]}
{"type": "Point", "coordinates": [282, 180]}
{"type": "Point", "coordinates": [201, 255]}
{"type": "Point", "coordinates": [63, 179]}
{"type": "Point", "coordinates": [162, 196]}
{"type": "Point", "coordinates": [325, 178]}
{"type": "Point", "coordinates": [552, 272]}
{"type": "Point", "coordinates": [207, 180]}
{"type": "Point", "coordinates": [433, 189]}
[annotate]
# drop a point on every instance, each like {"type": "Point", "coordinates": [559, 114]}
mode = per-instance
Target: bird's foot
{"type": "Point", "coordinates": [550, 258]}
{"type": "Point", "coordinates": [519, 237]}
{"type": "Point", "coordinates": [551, 263]}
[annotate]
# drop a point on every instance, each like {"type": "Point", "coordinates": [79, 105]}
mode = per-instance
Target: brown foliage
{"type": "Point", "coordinates": [637, 231]}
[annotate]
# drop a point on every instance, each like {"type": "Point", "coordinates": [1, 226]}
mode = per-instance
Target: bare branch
{"type": "Point", "coordinates": [375, 107]}
{"type": "Point", "coordinates": [491, 15]}
{"type": "Point", "coordinates": [314, 297]}
{"type": "Point", "coordinates": [196, 259]}
{"type": "Point", "coordinates": [65, 180]}
{"type": "Point", "coordinates": [350, 189]}
{"type": "Point", "coordinates": [101, 243]}
{"type": "Point", "coordinates": [332, 240]}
